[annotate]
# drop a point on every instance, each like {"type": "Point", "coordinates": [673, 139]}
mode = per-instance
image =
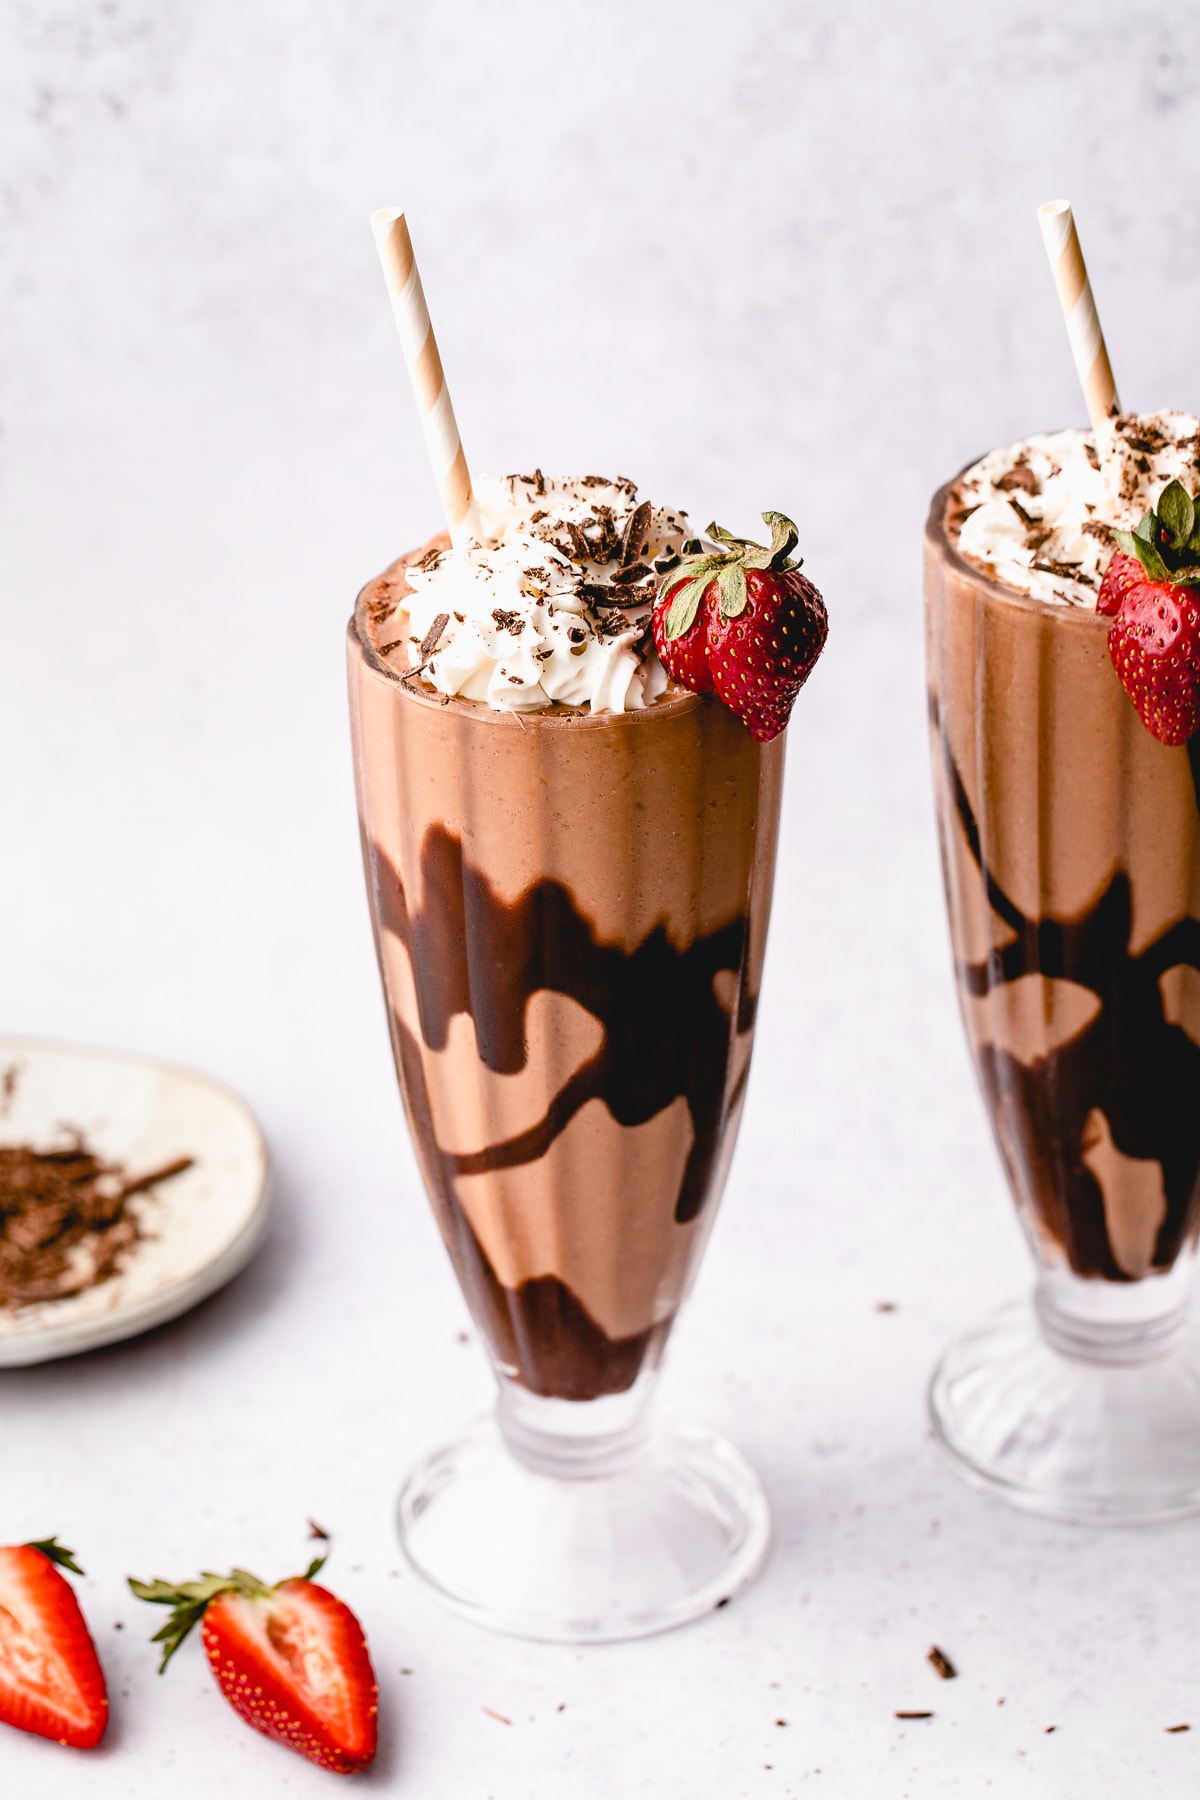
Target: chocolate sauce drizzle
{"type": "Point", "coordinates": [1130, 1062]}
{"type": "Point", "coordinates": [665, 1036]}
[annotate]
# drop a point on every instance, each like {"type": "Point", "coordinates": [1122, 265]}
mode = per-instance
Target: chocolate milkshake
{"type": "Point", "coordinates": [570, 908]}
{"type": "Point", "coordinates": [1070, 842]}
{"type": "Point", "coordinates": [1071, 852]}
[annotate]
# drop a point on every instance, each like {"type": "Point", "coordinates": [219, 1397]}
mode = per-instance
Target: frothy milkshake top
{"type": "Point", "coordinates": [1039, 515]}
{"type": "Point", "coordinates": [553, 605]}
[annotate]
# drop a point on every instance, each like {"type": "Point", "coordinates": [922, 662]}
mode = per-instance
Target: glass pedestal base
{"type": "Point", "coordinates": [600, 1550]}
{"type": "Point", "coordinates": [1093, 1439]}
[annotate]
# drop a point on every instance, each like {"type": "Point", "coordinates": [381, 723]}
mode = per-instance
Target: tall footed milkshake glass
{"type": "Point", "coordinates": [570, 909]}
{"type": "Point", "coordinates": [1070, 842]}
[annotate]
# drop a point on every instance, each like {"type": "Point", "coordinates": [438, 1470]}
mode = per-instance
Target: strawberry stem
{"type": "Point", "coordinates": [727, 564]}
{"type": "Point", "coordinates": [1166, 539]}
{"type": "Point", "coordinates": [189, 1600]}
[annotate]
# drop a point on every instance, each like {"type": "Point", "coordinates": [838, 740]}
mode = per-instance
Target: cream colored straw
{"type": "Point", "coordinates": [425, 371]}
{"type": "Point", "coordinates": [1079, 311]}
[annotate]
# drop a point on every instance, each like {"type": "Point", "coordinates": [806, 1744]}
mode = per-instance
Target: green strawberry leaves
{"type": "Point", "coordinates": [731, 586]}
{"type": "Point", "coordinates": [728, 563]}
{"type": "Point", "coordinates": [1177, 511]}
{"type": "Point", "coordinates": [1166, 540]}
{"type": "Point", "coordinates": [686, 602]}
{"type": "Point", "coordinates": [56, 1553]}
{"type": "Point", "coordinates": [189, 1600]}
{"type": "Point", "coordinates": [784, 538]}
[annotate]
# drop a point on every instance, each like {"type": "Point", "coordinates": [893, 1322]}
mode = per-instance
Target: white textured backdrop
{"type": "Point", "coordinates": [760, 255]}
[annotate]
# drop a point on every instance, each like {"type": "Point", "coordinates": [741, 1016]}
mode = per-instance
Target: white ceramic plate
{"type": "Point", "coordinates": [200, 1227]}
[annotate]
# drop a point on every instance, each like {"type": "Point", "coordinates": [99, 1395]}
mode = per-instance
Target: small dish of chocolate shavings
{"type": "Point", "coordinates": [66, 1223]}
{"type": "Point", "coordinates": [129, 1191]}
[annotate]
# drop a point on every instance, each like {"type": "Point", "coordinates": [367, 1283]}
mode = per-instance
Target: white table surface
{"type": "Point", "coordinates": [207, 446]}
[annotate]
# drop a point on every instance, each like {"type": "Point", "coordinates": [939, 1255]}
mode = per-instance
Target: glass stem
{"type": "Point", "coordinates": [1114, 1321]}
{"type": "Point", "coordinates": [578, 1440]}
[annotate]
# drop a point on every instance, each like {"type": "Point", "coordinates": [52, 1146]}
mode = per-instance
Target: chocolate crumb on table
{"type": "Point", "coordinates": [914, 1715]}
{"type": "Point", "coordinates": [942, 1665]}
{"type": "Point", "coordinates": [1172, 1729]}
{"type": "Point", "coordinates": [65, 1226]}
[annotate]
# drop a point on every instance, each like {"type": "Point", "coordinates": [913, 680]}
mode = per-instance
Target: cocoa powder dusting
{"type": "Point", "coordinates": [65, 1225]}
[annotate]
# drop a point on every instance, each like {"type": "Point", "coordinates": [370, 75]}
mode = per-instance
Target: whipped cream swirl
{"type": "Point", "coordinates": [553, 606]}
{"type": "Point", "coordinates": [1039, 515]}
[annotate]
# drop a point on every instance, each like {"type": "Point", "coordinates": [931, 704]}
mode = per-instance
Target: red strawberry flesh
{"type": "Point", "coordinates": [684, 658]}
{"type": "Point", "coordinates": [51, 1682]}
{"type": "Point", "coordinates": [294, 1664]}
{"type": "Point", "coordinates": [761, 658]}
{"type": "Point", "coordinates": [1154, 644]}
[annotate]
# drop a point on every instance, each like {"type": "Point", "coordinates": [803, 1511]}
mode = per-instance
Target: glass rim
{"type": "Point", "coordinates": [1084, 618]}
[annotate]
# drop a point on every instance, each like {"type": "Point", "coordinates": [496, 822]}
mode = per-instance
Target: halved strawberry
{"type": "Point", "coordinates": [742, 619]}
{"type": "Point", "coordinates": [51, 1682]}
{"type": "Point", "coordinates": [1150, 591]}
{"type": "Point", "coordinates": [291, 1659]}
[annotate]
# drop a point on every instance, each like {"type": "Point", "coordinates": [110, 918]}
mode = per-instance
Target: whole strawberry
{"type": "Point", "coordinates": [51, 1682]}
{"type": "Point", "coordinates": [742, 620]}
{"type": "Point", "coordinates": [290, 1659]}
{"type": "Point", "coordinates": [1150, 593]}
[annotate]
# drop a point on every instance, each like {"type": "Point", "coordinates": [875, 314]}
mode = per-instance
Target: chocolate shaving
{"type": "Point", "coordinates": [609, 543]}
{"type": "Point", "coordinates": [581, 550]}
{"type": "Point", "coordinates": [633, 538]}
{"type": "Point", "coordinates": [433, 636]}
{"type": "Point", "coordinates": [1065, 571]}
{"type": "Point", "coordinates": [64, 1225]}
{"type": "Point", "coordinates": [1019, 476]}
{"type": "Point", "coordinates": [508, 621]}
{"type": "Point", "coordinates": [141, 1182]}
{"type": "Point", "coordinates": [627, 577]}
{"type": "Point", "coordinates": [1145, 437]}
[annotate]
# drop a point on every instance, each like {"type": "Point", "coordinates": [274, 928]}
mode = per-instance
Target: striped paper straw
{"type": "Point", "coordinates": [1079, 310]}
{"type": "Point", "coordinates": [425, 371]}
